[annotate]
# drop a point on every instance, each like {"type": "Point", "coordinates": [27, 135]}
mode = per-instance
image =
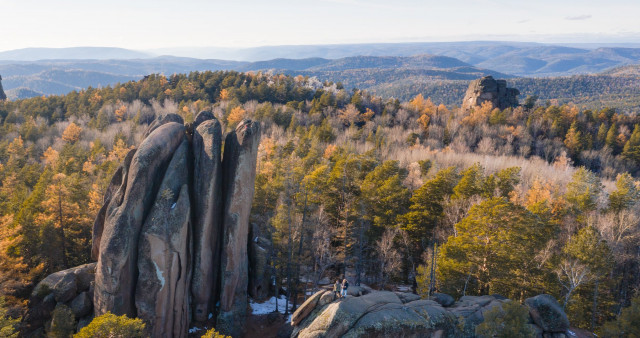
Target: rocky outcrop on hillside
{"type": "Point", "coordinates": [3, 96]}
{"type": "Point", "coordinates": [487, 89]}
{"type": "Point", "coordinates": [171, 238]}
{"type": "Point", "coordinates": [72, 287]}
{"type": "Point", "coordinates": [368, 313]}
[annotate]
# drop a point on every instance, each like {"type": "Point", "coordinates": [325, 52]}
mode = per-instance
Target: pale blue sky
{"type": "Point", "coordinates": [147, 24]}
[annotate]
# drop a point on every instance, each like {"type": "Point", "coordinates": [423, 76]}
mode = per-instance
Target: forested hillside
{"type": "Point", "coordinates": [619, 88]}
{"type": "Point", "coordinates": [537, 199]}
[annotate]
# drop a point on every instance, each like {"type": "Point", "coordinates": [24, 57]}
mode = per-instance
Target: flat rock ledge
{"type": "Point", "coordinates": [369, 313]}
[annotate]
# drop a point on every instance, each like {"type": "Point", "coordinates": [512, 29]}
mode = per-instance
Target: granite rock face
{"type": "Point", "coordinates": [207, 143]}
{"type": "Point", "coordinates": [487, 89]}
{"type": "Point", "coordinates": [116, 272]}
{"type": "Point", "coordinates": [164, 266]}
{"type": "Point", "coordinates": [389, 314]}
{"type": "Point", "coordinates": [238, 168]}
{"type": "Point", "coordinates": [171, 239]}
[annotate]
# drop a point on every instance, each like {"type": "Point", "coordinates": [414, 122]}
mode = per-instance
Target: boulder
{"type": "Point", "coordinates": [207, 143]}
{"type": "Point", "coordinates": [81, 305]}
{"type": "Point", "coordinates": [442, 298]}
{"type": "Point", "coordinates": [438, 319]}
{"type": "Point", "coordinates": [389, 320]}
{"type": "Point", "coordinates": [309, 305]}
{"type": "Point", "coordinates": [487, 89]}
{"type": "Point", "coordinates": [259, 264]}
{"type": "Point", "coordinates": [376, 314]}
{"type": "Point", "coordinates": [83, 274]}
{"type": "Point", "coordinates": [201, 117]}
{"type": "Point", "coordinates": [547, 313]}
{"type": "Point", "coordinates": [470, 310]}
{"type": "Point", "coordinates": [116, 271]}
{"type": "Point", "coordinates": [406, 297]}
{"type": "Point", "coordinates": [162, 120]}
{"type": "Point", "coordinates": [339, 317]}
{"type": "Point", "coordinates": [238, 168]}
{"type": "Point", "coordinates": [65, 289]}
{"type": "Point", "coordinates": [356, 291]}
{"type": "Point", "coordinates": [164, 266]}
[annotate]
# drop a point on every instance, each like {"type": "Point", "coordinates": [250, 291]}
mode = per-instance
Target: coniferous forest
{"type": "Point", "coordinates": [522, 201]}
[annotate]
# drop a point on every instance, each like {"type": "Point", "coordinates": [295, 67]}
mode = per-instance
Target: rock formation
{"type": "Point", "coordinates": [368, 313]}
{"type": "Point", "coordinates": [72, 287]}
{"type": "Point", "coordinates": [207, 140]}
{"type": "Point", "coordinates": [171, 238]}
{"type": "Point", "coordinates": [3, 96]}
{"type": "Point", "coordinates": [238, 168]}
{"type": "Point", "coordinates": [487, 89]}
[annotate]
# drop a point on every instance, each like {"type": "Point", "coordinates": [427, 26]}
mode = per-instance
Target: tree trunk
{"type": "Point", "coordinates": [595, 307]}
{"type": "Point", "coordinates": [63, 238]}
{"type": "Point", "coordinates": [298, 263]}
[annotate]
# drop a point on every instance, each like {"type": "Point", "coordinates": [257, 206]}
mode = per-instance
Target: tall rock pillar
{"type": "Point", "coordinates": [239, 171]}
{"type": "Point", "coordinates": [207, 143]}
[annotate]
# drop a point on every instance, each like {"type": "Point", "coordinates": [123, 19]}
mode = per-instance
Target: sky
{"type": "Point", "coordinates": [151, 24]}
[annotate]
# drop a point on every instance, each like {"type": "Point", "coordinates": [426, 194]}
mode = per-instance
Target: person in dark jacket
{"type": "Point", "coordinates": [345, 286]}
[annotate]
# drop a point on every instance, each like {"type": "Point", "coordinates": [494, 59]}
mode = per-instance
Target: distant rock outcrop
{"type": "Point", "coordinates": [374, 314]}
{"type": "Point", "coordinates": [171, 238]}
{"type": "Point", "coordinates": [487, 89]}
{"type": "Point", "coordinates": [3, 96]}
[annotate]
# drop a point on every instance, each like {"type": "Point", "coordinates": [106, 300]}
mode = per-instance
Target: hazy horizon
{"type": "Point", "coordinates": [147, 25]}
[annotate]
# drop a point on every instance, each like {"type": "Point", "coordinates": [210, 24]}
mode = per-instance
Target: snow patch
{"type": "Point", "coordinates": [159, 275]}
{"type": "Point", "coordinates": [173, 206]}
{"type": "Point", "coordinates": [269, 306]}
{"type": "Point", "coordinates": [210, 315]}
{"type": "Point", "coordinates": [194, 329]}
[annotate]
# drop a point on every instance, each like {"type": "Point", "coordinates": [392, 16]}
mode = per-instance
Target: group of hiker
{"type": "Point", "coordinates": [340, 290]}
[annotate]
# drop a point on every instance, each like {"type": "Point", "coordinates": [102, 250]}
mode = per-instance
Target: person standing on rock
{"type": "Point", "coordinates": [337, 288]}
{"type": "Point", "coordinates": [345, 286]}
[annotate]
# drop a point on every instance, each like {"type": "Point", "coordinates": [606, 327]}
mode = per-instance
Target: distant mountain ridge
{"type": "Point", "coordinates": [442, 74]}
{"type": "Point", "coordinates": [515, 58]}
{"type": "Point", "coordinates": [55, 77]}
{"type": "Point", "coordinates": [72, 53]}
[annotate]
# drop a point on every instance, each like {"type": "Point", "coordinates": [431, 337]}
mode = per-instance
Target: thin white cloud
{"type": "Point", "coordinates": [579, 17]}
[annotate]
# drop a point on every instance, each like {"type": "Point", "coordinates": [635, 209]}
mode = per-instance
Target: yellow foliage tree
{"type": "Point", "coordinates": [479, 114]}
{"type": "Point", "coordinates": [424, 121]}
{"type": "Point", "coordinates": [224, 94]}
{"type": "Point", "coordinates": [72, 133]}
{"type": "Point", "coordinates": [420, 105]}
{"type": "Point", "coordinates": [119, 151]}
{"type": "Point", "coordinates": [236, 115]}
{"type": "Point", "coordinates": [50, 157]}
{"type": "Point", "coordinates": [121, 113]}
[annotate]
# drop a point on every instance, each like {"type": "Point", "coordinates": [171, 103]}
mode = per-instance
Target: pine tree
{"type": "Point", "coordinates": [492, 251]}
{"type": "Point", "coordinates": [631, 150]}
